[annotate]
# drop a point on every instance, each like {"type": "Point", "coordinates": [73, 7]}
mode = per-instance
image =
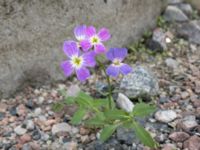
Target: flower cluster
{"type": "Point", "coordinates": [82, 53]}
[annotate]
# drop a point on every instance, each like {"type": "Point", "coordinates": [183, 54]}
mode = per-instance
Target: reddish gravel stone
{"type": "Point", "coordinates": [193, 143]}
{"type": "Point", "coordinates": [179, 136]}
{"type": "Point", "coordinates": [25, 138]}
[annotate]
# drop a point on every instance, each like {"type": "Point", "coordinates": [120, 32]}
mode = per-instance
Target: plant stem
{"type": "Point", "coordinates": [109, 84]}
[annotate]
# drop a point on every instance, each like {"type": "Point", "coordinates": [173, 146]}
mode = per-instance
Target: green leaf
{"type": "Point", "coordinates": [116, 114]}
{"type": "Point", "coordinates": [84, 96]}
{"type": "Point", "coordinates": [107, 132]}
{"type": "Point", "coordinates": [143, 109]}
{"type": "Point", "coordinates": [100, 102]}
{"type": "Point", "coordinates": [84, 100]}
{"type": "Point", "coordinates": [144, 136]}
{"type": "Point", "coordinates": [78, 115]}
{"type": "Point", "coordinates": [57, 107]}
{"type": "Point", "coordinates": [98, 121]}
{"type": "Point", "coordinates": [69, 100]}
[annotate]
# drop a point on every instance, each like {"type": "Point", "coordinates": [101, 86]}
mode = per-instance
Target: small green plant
{"type": "Point", "coordinates": [103, 113]}
{"type": "Point", "coordinates": [161, 22]}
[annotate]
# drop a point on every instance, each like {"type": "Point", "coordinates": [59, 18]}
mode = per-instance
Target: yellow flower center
{"type": "Point", "coordinates": [117, 62]}
{"type": "Point", "coordinates": [77, 61]}
{"type": "Point", "coordinates": [95, 40]}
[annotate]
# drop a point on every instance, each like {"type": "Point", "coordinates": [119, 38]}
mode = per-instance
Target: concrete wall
{"type": "Point", "coordinates": [32, 32]}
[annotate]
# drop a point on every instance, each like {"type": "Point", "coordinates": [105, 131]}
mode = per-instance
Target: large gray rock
{"type": "Point", "coordinates": [32, 32]}
{"type": "Point", "coordinates": [140, 83]}
{"type": "Point", "coordinates": [190, 31]}
{"type": "Point", "coordinates": [173, 13]}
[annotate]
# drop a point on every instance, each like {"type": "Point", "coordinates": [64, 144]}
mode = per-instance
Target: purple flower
{"type": "Point", "coordinates": [95, 39]}
{"type": "Point", "coordinates": [80, 34]}
{"type": "Point", "coordinates": [77, 63]}
{"type": "Point", "coordinates": [117, 55]}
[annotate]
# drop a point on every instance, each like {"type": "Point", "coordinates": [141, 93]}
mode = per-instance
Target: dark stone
{"type": "Point", "coordinates": [154, 46]}
{"type": "Point", "coordinates": [2, 115]}
{"type": "Point", "coordinates": [30, 104]}
{"type": "Point", "coordinates": [13, 111]}
{"type": "Point", "coordinates": [7, 146]}
{"type": "Point", "coordinates": [163, 100]}
{"type": "Point", "coordinates": [36, 135]}
{"type": "Point", "coordinates": [125, 136]}
{"type": "Point", "coordinates": [66, 139]}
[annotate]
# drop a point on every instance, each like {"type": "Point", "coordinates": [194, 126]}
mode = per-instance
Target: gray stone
{"type": "Point", "coordinates": [159, 40]}
{"type": "Point", "coordinates": [171, 63]}
{"type": "Point", "coordinates": [29, 125]}
{"type": "Point", "coordinates": [126, 136]}
{"type": "Point", "coordinates": [189, 122]}
{"type": "Point", "coordinates": [37, 111]}
{"type": "Point", "coordinates": [26, 147]}
{"type": "Point", "coordinates": [190, 31]}
{"type": "Point", "coordinates": [19, 130]}
{"type": "Point", "coordinates": [2, 115]}
{"type": "Point", "coordinates": [124, 103]}
{"type": "Point", "coordinates": [32, 33]}
{"type": "Point", "coordinates": [141, 82]}
{"type": "Point", "coordinates": [70, 146]}
{"type": "Point", "coordinates": [174, 1]}
{"type": "Point", "coordinates": [186, 8]}
{"type": "Point", "coordinates": [173, 13]}
{"type": "Point", "coordinates": [60, 127]}
{"type": "Point", "coordinates": [165, 116]}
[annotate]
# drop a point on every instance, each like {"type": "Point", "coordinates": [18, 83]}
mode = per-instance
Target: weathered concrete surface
{"type": "Point", "coordinates": [195, 3]}
{"type": "Point", "coordinates": [32, 32]}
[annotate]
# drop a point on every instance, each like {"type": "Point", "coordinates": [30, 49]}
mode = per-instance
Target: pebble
{"type": "Point", "coordinates": [84, 131]}
{"type": "Point", "coordinates": [44, 136]}
{"type": "Point", "coordinates": [19, 130]}
{"type": "Point", "coordinates": [29, 125]}
{"type": "Point", "coordinates": [173, 13]}
{"type": "Point", "coordinates": [171, 63]}
{"type": "Point", "coordinates": [36, 135]}
{"type": "Point", "coordinates": [165, 116]}
{"type": "Point", "coordinates": [25, 138]}
{"type": "Point", "coordinates": [2, 115]}
{"type": "Point", "coordinates": [189, 122]}
{"type": "Point", "coordinates": [125, 136]}
{"type": "Point", "coordinates": [21, 110]}
{"type": "Point", "coordinates": [13, 111]}
{"type": "Point", "coordinates": [3, 107]}
{"type": "Point", "coordinates": [184, 95]}
{"type": "Point", "coordinates": [60, 127]}
{"type": "Point", "coordinates": [37, 111]}
{"type": "Point", "coordinates": [193, 143]}
{"type": "Point", "coordinates": [85, 139]}
{"type": "Point", "coordinates": [179, 136]}
{"type": "Point", "coordinates": [169, 147]}
{"type": "Point", "coordinates": [124, 103]}
{"type": "Point", "coordinates": [30, 104]}
{"type": "Point", "coordinates": [70, 146]}
{"type": "Point", "coordinates": [26, 147]}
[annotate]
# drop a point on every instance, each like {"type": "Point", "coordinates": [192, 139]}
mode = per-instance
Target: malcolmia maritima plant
{"type": "Point", "coordinates": [85, 53]}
